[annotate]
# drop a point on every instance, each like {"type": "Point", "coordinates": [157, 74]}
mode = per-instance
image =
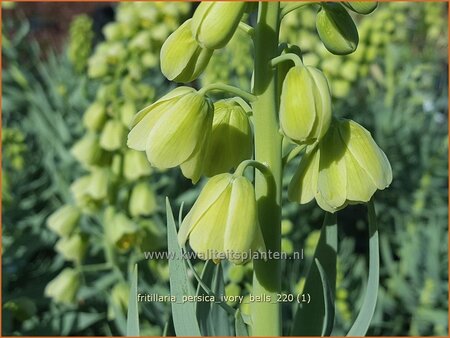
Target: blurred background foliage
{"type": "Point", "coordinates": [80, 208]}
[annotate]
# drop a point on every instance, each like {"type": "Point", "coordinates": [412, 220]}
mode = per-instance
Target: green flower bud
{"type": "Point", "coordinates": [113, 135]}
{"type": "Point", "coordinates": [286, 227]}
{"type": "Point", "coordinates": [362, 7]}
{"type": "Point", "coordinates": [113, 31]}
{"type": "Point", "coordinates": [287, 246]}
{"type": "Point", "coordinates": [173, 128]}
{"type": "Point", "coordinates": [214, 23]}
{"type": "Point", "coordinates": [64, 287]}
{"type": "Point", "coordinates": [95, 116]}
{"type": "Point", "coordinates": [230, 141]}
{"type": "Point", "coordinates": [305, 104]}
{"type": "Point", "coordinates": [64, 220]}
{"type": "Point", "coordinates": [336, 29]}
{"type": "Point", "coordinates": [182, 58]}
{"type": "Point", "coordinates": [141, 42]}
{"type": "Point", "coordinates": [120, 231]}
{"type": "Point", "coordinates": [223, 221]}
{"type": "Point", "coordinates": [87, 150]}
{"type": "Point", "coordinates": [236, 273]}
{"type": "Point", "coordinates": [135, 165]}
{"type": "Point", "coordinates": [346, 168]}
{"type": "Point", "coordinates": [72, 248]}
{"type": "Point", "coordinates": [142, 200]}
{"type": "Point", "coordinates": [232, 290]}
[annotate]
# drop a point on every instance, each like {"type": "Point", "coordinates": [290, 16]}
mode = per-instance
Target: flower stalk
{"type": "Point", "coordinates": [266, 316]}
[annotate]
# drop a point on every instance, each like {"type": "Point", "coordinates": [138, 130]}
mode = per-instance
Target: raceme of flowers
{"type": "Point", "coordinates": [341, 164]}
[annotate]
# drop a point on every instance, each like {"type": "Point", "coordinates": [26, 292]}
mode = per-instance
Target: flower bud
{"type": "Point", "coordinates": [113, 135]}
{"type": "Point", "coordinates": [223, 221]}
{"type": "Point", "coordinates": [336, 29]}
{"type": "Point", "coordinates": [173, 128]}
{"type": "Point", "coordinates": [182, 58]}
{"type": "Point", "coordinates": [120, 231]}
{"type": "Point", "coordinates": [72, 248]}
{"type": "Point", "coordinates": [127, 111]}
{"type": "Point", "coordinates": [64, 220]}
{"type": "Point", "coordinates": [135, 165]}
{"type": "Point", "coordinates": [347, 167]}
{"type": "Point", "coordinates": [230, 141]}
{"type": "Point", "coordinates": [362, 7]}
{"type": "Point", "coordinates": [98, 185]}
{"type": "Point", "coordinates": [95, 116]}
{"type": "Point", "coordinates": [214, 23]}
{"type": "Point", "coordinates": [64, 287]}
{"type": "Point", "coordinates": [142, 200]}
{"type": "Point", "coordinates": [82, 197]}
{"type": "Point", "coordinates": [305, 104]}
{"type": "Point", "coordinates": [236, 273]}
{"type": "Point", "coordinates": [232, 290]}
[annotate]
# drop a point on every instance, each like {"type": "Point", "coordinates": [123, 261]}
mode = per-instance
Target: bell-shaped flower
{"type": "Point", "coordinates": [336, 29]}
{"type": "Point", "coordinates": [120, 231]}
{"type": "Point", "coordinates": [142, 200]}
{"type": "Point", "coordinates": [113, 135]}
{"type": "Point", "coordinates": [72, 248]}
{"type": "Point", "coordinates": [64, 287]}
{"type": "Point", "coordinates": [182, 58]}
{"type": "Point", "coordinates": [346, 167]}
{"type": "Point", "coordinates": [95, 116]}
{"type": "Point", "coordinates": [214, 23]}
{"type": "Point", "coordinates": [135, 165]}
{"type": "Point", "coordinates": [223, 222]}
{"type": "Point", "coordinates": [87, 150]}
{"type": "Point", "coordinates": [64, 220]}
{"type": "Point", "coordinates": [305, 104]}
{"type": "Point", "coordinates": [230, 141]}
{"type": "Point", "coordinates": [173, 128]}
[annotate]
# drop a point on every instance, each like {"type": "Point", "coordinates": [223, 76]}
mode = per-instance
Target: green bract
{"type": "Point", "coordinates": [336, 29]}
{"type": "Point", "coordinates": [346, 167]}
{"type": "Point", "coordinates": [305, 104]}
{"type": "Point", "coordinates": [214, 23]}
{"type": "Point", "coordinates": [64, 287]}
{"type": "Point", "coordinates": [230, 142]}
{"type": "Point", "coordinates": [223, 221]}
{"type": "Point", "coordinates": [172, 130]}
{"type": "Point", "coordinates": [64, 220]}
{"type": "Point", "coordinates": [182, 58]}
{"type": "Point", "coordinates": [362, 7]}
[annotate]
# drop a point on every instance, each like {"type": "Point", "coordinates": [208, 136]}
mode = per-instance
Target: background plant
{"type": "Point", "coordinates": [404, 87]}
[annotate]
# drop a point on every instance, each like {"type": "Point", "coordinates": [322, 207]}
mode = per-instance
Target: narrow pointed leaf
{"type": "Point", "coordinates": [328, 300]}
{"type": "Point", "coordinates": [362, 322]}
{"type": "Point", "coordinates": [133, 312]}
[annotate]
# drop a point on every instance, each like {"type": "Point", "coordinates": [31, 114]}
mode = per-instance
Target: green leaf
{"type": "Point", "coordinates": [133, 312]}
{"type": "Point", "coordinates": [184, 319]}
{"type": "Point", "coordinates": [362, 322]}
{"type": "Point", "coordinates": [219, 316]}
{"type": "Point", "coordinates": [328, 301]}
{"type": "Point", "coordinates": [311, 318]}
{"type": "Point", "coordinates": [203, 309]}
{"type": "Point", "coordinates": [239, 324]}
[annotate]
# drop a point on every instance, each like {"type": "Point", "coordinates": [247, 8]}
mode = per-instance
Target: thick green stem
{"type": "Point", "coordinates": [266, 314]}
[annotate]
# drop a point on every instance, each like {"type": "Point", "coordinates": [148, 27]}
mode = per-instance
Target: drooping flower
{"type": "Point", "coordinates": [64, 287]}
{"type": "Point", "coordinates": [214, 23]}
{"type": "Point", "coordinates": [346, 167]}
{"type": "Point", "coordinates": [172, 130]}
{"type": "Point", "coordinates": [64, 220]}
{"type": "Point", "coordinates": [182, 58]}
{"type": "Point", "coordinates": [72, 248]}
{"type": "Point", "coordinates": [230, 141]}
{"type": "Point", "coordinates": [305, 104]}
{"type": "Point", "coordinates": [223, 221]}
